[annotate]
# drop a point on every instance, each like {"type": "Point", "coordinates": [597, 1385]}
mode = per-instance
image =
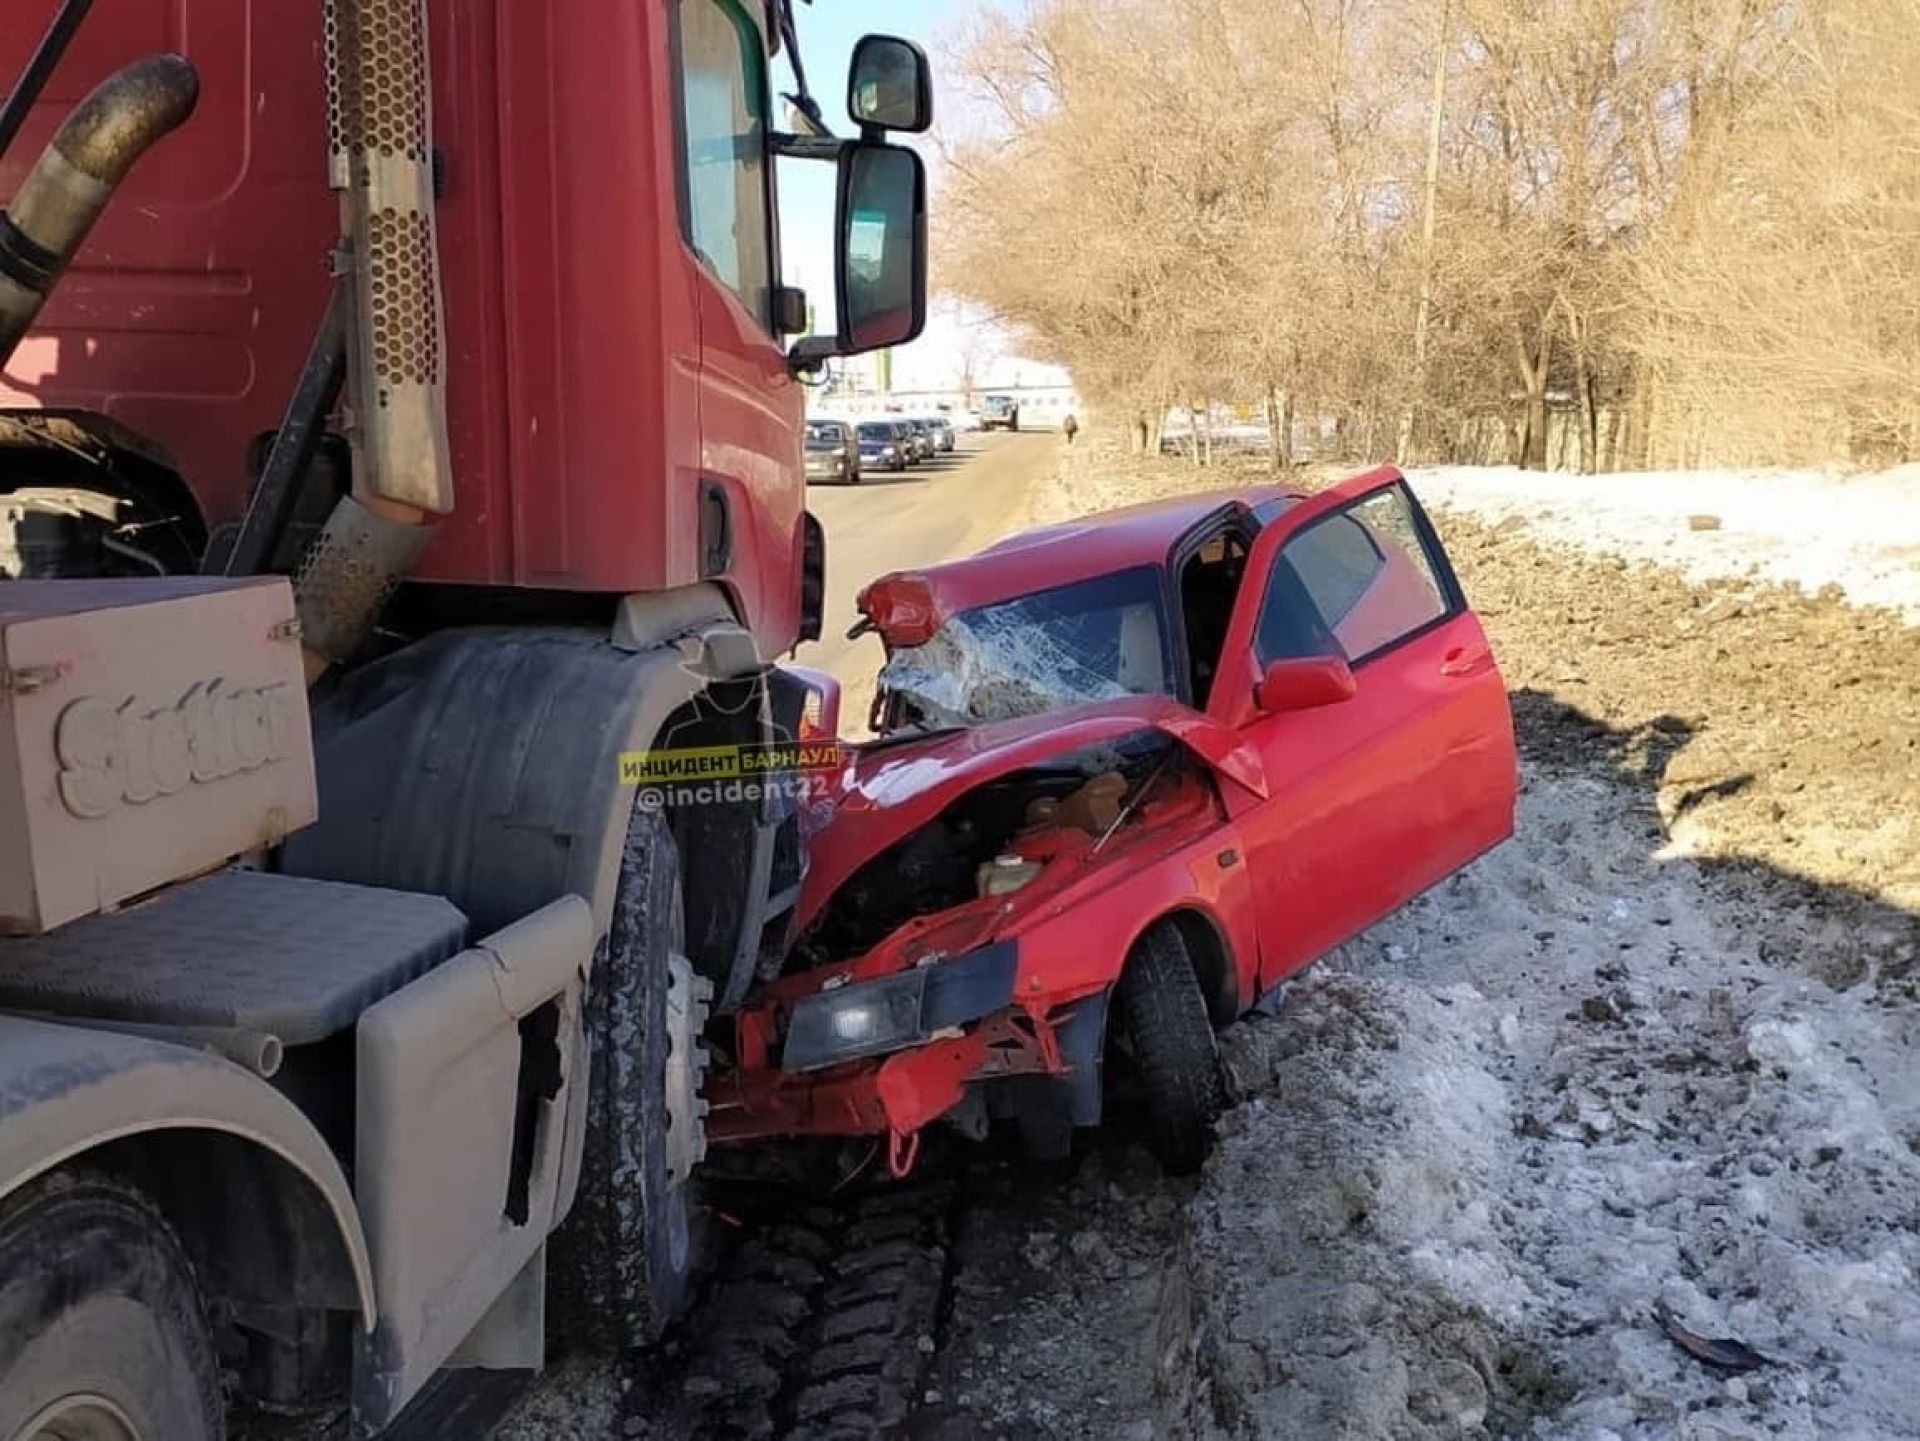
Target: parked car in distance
{"type": "Point", "coordinates": [942, 428]}
{"type": "Point", "coordinates": [999, 412]}
{"type": "Point", "coordinates": [881, 444]}
{"type": "Point", "coordinates": [1134, 772]}
{"type": "Point", "coordinates": [923, 433]}
{"type": "Point", "coordinates": [832, 452]}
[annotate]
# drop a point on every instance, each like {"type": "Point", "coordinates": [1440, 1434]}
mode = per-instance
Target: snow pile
{"type": "Point", "coordinates": [1574, 1085]}
{"type": "Point", "coordinates": [1860, 533]}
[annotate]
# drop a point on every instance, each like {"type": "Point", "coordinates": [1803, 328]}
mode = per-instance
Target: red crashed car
{"type": "Point", "coordinates": [1134, 771]}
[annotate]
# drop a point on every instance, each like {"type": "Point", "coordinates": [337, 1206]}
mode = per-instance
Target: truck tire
{"type": "Point", "coordinates": [623, 1263]}
{"type": "Point", "coordinates": [102, 1333]}
{"type": "Point", "coordinates": [1163, 1016]}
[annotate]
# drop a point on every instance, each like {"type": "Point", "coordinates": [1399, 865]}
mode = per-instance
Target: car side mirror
{"type": "Point", "coordinates": [890, 85]}
{"type": "Point", "coordinates": [1304, 683]}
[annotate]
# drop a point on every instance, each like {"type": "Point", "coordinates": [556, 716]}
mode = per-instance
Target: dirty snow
{"type": "Point", "coordinates": [1485, 1143]}
{"type": "Point", "coordinates": [1860, 533]}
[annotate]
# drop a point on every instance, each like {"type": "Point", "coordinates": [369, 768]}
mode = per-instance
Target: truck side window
{"type": "Point", "coordinates": [723, 156]}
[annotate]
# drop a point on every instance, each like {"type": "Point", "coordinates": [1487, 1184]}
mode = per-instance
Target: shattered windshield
{"type": "Point", "coordinates": [1099, 639]}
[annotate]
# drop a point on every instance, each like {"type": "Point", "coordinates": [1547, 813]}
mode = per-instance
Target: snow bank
{"type": "Point", "coordinates": [1573, 1085]}
{"type": "Point", "coordinates": [1860, 533]}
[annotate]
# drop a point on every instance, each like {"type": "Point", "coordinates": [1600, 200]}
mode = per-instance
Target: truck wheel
{"type": "Point", "coordinates": [624, 1261]}
{"type": "Point", "coordinates": [102, 1333]}
{"type": "Point", "coordinates": [1164, 1019]}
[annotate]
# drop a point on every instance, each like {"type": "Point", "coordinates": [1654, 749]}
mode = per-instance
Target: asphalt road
{"type": "Point", "coordinates": [945, 507]}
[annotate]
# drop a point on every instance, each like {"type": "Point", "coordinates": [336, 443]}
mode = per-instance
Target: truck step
{"type": "Point", "coordinates": [463, 1404]}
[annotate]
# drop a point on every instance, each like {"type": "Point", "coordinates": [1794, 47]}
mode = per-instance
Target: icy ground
{"type": "Point", "coordinates": [1860, 532]}
{"type": "Point", "coordinates": [1658, 1053]}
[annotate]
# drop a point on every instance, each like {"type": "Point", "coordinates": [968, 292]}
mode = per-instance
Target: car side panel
{"type": "Point", "coordinates": [1079, 945]}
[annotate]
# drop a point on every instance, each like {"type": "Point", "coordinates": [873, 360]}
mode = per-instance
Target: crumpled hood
{"type": "Point", "coordinates": [886, 791]}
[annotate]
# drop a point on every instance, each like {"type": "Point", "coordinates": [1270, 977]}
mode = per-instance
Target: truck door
{"type": "Point", "coordinates": [752, 484]}
{"type": "Point", "coordinates": [1374, 798]}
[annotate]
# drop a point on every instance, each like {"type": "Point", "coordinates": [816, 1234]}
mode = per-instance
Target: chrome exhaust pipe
{"type": "Point", "coordinates": [76, 176]}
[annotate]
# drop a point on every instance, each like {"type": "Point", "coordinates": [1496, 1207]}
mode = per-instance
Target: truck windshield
{"type": "Point", "coordinates": [878, 432]}
{"type": "Point", "coordinates": [1098, 639]}
{"type": "Point", "coordinates": [825, 437]}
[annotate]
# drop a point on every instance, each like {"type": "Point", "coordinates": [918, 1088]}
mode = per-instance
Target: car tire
{"type": "Point", "coordinates": [624, 1262]}
{"type": "Point", "coordinates": [1164, 1021]}
{"type": "Point", "coordinates": [102, 1329]}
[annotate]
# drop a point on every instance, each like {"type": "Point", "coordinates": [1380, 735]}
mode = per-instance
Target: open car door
{"type": "Point", "coordinates": [1354, 666]}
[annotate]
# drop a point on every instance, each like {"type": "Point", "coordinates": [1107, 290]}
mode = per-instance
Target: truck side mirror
{"type": "Point", "coordinates": [880, 252]}
{"type": "Point", "coordinates": [890, 85]}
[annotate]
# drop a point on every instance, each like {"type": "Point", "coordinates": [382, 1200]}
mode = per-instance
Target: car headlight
{"type": "Point", "coordinates": [870, 1018]}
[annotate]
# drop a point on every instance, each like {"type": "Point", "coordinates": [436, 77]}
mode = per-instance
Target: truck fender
{"type": "Point", "coordinates": [67, 1090]}
{"type": "Point", "coordinates": [486, 766]}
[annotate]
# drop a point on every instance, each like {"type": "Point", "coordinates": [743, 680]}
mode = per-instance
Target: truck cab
{"type": "Point", "coordinates": [999, 412]}
{"type": "Point", "coordinates": [400, 445]}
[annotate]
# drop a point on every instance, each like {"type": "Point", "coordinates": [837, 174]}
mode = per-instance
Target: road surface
{"type": "Point", "coordinates": [942, 508]}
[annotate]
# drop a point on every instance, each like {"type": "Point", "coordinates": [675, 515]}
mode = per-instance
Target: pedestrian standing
{"type": "Point", "coordinates": [1070, 425]}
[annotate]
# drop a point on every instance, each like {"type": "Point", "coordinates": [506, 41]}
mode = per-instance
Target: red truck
{"type": "Point", "coordinates": [400, 443]}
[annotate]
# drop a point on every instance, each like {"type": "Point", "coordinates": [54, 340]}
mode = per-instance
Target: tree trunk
{"type": "Point", "coordinates": [1279, 429]}
{"type": "Point", "coordinates": [1589, 420]}
{"type": "Point", "coordinates": [1193, 436]}
{"type": "Point", "coordinates": [1137, 432]}
{"type": "Point", "coordinates": [1533, 428]}
{"type": "Point", "coordinates": [1534, 362]}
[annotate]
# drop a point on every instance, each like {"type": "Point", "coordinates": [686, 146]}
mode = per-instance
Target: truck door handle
{"type": "Point", "coordinates": [1461, 661]}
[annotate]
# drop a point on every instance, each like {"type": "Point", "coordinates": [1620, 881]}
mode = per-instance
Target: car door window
{"type": "Point", "coordinates": [1352, 584]}
{"type": "Point", "coordinates": [724, 212]}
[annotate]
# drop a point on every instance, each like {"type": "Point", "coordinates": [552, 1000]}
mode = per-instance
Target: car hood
{"type": "Point", "coordinates": [885, 790]}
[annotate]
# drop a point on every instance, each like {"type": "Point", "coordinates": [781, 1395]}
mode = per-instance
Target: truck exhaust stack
{"type": "Point", "coordinates": [379, 89]}
{"type": "Point", "coordinates": [76, 176]}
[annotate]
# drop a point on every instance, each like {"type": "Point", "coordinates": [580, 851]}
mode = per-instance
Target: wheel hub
{"type": "Point", "coordinates": [84, 1417]}
{"type": "Point", "coordinates": [688, 999]}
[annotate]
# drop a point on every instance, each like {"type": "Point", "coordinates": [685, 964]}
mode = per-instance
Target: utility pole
{"type": "Point", "coordinates": [1423, 318]}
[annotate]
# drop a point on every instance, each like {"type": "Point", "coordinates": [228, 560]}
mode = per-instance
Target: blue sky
{"type": "Point", "coordinates": [828, 31]}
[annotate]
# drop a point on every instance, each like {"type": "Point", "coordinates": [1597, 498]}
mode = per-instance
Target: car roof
{"type": "Point", "coordinates": [1078, 549]}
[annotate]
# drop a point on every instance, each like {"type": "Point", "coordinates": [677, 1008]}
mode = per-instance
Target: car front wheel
{"type": "Point", "coordinates": [1164, 1020]}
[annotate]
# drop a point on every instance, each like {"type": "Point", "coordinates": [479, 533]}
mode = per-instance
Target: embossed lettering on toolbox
{"type": "Point", "coordinates": [149, 731]}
